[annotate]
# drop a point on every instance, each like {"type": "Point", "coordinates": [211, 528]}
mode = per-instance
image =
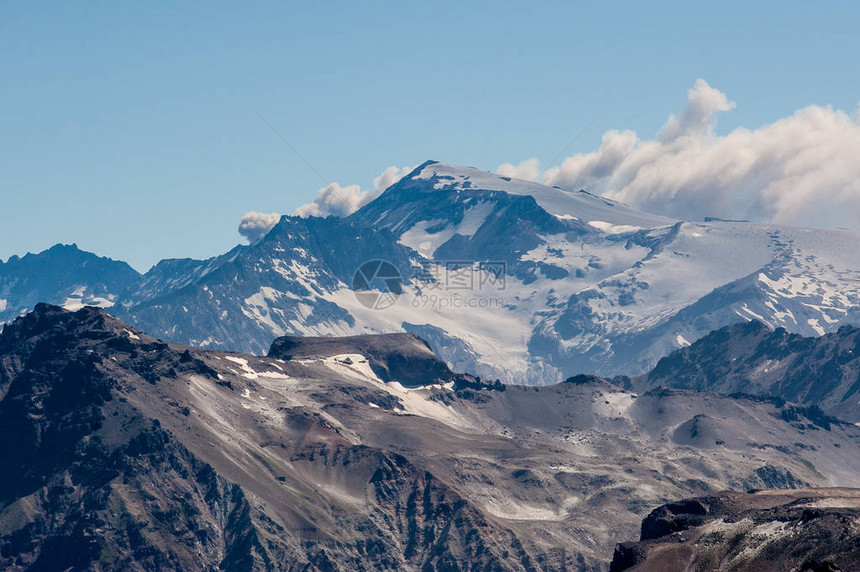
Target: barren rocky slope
{"type": "Point", "coordinates": [121, 452]}
{"type": "Point", "coordinates": [751, 358]}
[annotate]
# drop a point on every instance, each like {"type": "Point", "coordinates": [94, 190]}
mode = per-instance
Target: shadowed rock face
{"type": "Point", "coordinates": [122, 452]}
{"type": "Point", "coordinates": [803, 529]}
{"type": "Point", "coordinates": [751, 358]}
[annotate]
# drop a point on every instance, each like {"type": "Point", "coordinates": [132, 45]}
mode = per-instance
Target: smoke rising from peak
{"type": "Point", "coordinates": [338, 200]}
{"type": "Point", "coordinates": [254, 226]}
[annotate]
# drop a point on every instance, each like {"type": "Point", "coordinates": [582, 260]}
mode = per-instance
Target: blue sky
{"type": "Point", "coordinates": [132, 128]}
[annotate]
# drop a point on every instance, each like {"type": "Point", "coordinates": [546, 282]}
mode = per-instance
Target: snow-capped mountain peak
{"type": "Point", "coordinates": [578, 205]}
{"type": "Point", "coordinates": [505, 279]}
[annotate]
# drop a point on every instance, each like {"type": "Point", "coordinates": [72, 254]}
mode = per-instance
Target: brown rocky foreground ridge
{"type": "Point", "coordinates": [806, 530]}
{"type": "Point", "coordinates": [122, 452]}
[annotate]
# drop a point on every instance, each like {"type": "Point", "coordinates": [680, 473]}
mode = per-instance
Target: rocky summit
{"type": "Point", "coordinates": [804, 530]}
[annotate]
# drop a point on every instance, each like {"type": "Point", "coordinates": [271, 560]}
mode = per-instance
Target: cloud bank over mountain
{"type": "Point", "coordinates": [390, 176]}
{"type": "Point", "coordinates": [527, 170]}
{"type": "Point", "coordinates": [335, 199]}
{"type": "Point", "coordinates": [800, 170]}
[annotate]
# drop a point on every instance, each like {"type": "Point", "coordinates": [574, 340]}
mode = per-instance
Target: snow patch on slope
{"type": "Point", "coordinates": [79, 299]}
{"type": "Point", "coordinates": [251, 373]}
{"type": "Point", "coordinates": [417, 238]}
{"type": "Point", "coordinates": [610, 228]}
{"type": "Point", "coordinates": [415, 401]}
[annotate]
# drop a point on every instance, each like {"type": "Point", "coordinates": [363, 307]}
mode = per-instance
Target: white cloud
{"type": "Point", "coordinates": [526, 170]}
{"type": "Point", "coordinates": [700, 114]}
{"type": "Point", "coordinates": [585, 170]}
{"type": "Point", "coordinates": [339, 200]}
{"type": "Point", "coordinates": [390, 176]}
{"type": "Point", "coordinates": [254, 226]}
{"type": "Point", "coordinates": [336, 200]}
{"type": "Point", "coordinates": [802, 169]}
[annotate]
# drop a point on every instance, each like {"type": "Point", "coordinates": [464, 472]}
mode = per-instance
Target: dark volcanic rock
{"type": "Point", "coordinates": [627, 555]}
{"type": "Point", "coordinates": [804, 529]}
{"type": "Point", "coordinates": [674, 517]}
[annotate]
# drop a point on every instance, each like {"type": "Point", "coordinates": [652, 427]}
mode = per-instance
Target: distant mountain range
{"type": "Point", "coordinates": [122, 452]}
{"type": "Point", "coordinates": [63, 275]}
{"type": "Point", "coordinates": [504, 278]}
{"type": "Point", "coordinates": [751, 358]}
